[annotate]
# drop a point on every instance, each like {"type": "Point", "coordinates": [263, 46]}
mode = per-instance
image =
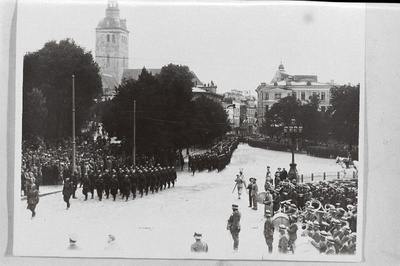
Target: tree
{"type": "Point", "coordinates": [281, 113]}
{"type": "Point", "coordinates": [34, 115]}
{"type": "Point", "coordinates": [344, 112]}
{"type": "Point", "coordinates": [211, 120]}
{"type": "Point", "coordinates": [164, 110]}
{"type": "Point", "coordinates": [50, 69]}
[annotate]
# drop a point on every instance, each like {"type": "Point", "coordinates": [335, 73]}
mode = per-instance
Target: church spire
{"type": "Point", "coordinates": [281, 68]}
{"type": "Point", "coordinates": [112, 10]}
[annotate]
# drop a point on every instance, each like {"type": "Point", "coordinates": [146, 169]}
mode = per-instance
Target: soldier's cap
{"type": "Point", "coordinates": [250, 179]}
{"type": "Point", "coordinates": [255, 179]}
{"type": "Point", "coordinates": [267, 212]}
{"type": "Point", "coordinates": [316, 223]}
{"type": "Point", "coordinates": [282, 227]}
{"type": "Point", "coordinates": [346, 228]}
{"type": "Point", "coordinates": [354, 234]}
{"type": "Point", "coordinates": [235, 206]}
{"type": "Point", "coordinates": [197, 235]}
{"type": "Point", "coordinates": [73, 238]}
{"type": "Point", "coordinates": [294, 216]}
{"type": "Point", "coordinates": [324, 233]}
{"type": "Point", "coordinates": [293, 206]}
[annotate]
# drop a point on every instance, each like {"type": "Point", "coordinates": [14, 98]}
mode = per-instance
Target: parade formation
{"type": "Point", "coordinates": [324, 213]}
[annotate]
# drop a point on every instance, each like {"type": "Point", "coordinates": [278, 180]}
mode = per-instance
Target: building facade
{"type": "Point", "coordinates": [302, 87]}
{"type": "Point", "coordinates": [112, 48]}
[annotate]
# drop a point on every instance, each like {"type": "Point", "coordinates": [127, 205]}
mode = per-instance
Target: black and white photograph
{"type": "Point", "coordinates": [190, 130]}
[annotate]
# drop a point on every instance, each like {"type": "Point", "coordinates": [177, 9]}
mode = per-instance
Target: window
{"type": "Point", "coordinates": [314, 94]}
{"type": "Point", "coordinates": [303, 95]}
{"type": "Point", "coordinates": [267, 96]}
{"type": "Point", "coordinates": [113, 38]}
{"type": "Point", "coordinates": [322, 96]}
{"type": "Point", "coordinates": [108, 37]}
{"type": "Point", "coordinates": [277, 96]}
{"type": "Point", "coordinates": [295, 95]}
{"type": "Point", "coordinates": [266, 108]}
{"type": "Point", "coordinates": [108, 59]}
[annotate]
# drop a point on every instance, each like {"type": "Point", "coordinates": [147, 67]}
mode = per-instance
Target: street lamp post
{"type": "Point", "coordinates": [293, 132]}
{"type": "Point", "coordinates": [73, 126]}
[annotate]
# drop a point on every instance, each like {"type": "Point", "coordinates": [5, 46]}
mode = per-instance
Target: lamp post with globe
{"type": "Point", "coordinates": [293, 132]}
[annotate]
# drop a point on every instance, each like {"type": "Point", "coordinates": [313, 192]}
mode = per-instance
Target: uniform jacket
{"type": "Point", "coordinates": [199, 246]}
{"type": "Point", "coordinates": [234, 221]}
{"type": "Point", "coordinates": [254, 189]}
{"type": "Point", "coordinates": [292, 231]}
{"type": "Point", "coordinates": [269, 228]}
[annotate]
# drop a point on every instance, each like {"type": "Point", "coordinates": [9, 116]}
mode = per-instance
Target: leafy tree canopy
{"type": "Point", "coordinates": [50, 70]}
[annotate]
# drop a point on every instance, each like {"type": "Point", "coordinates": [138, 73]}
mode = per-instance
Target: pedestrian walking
{"type": "Point", "coordinates": [32, 199]}
{"type": "Point", "coordinates": [269, 230]}
{"type": "Point", "coordinates": [199, 245]}
{"type": "Point", "coordinates": [234, 225]}
{"type": "Point", "coordinates": [67, 192]}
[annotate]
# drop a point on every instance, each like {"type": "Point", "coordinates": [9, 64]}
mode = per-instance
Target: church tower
{"type": "Point", "coordinates": [112, 45]}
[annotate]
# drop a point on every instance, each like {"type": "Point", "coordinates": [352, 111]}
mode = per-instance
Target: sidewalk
{"type": "Point", "coordinates": [47, 190]}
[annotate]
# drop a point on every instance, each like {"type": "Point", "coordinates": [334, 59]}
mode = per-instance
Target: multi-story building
{"type": "Point", "coordinates": [302, 87]}
{"type": "Point", "coordinates": [112, 48]}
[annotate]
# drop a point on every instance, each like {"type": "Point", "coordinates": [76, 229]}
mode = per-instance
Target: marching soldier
{"type": "Point", "coordinates": [134, 182]}
{"type": "Point", "coordinates": [114, 186]}
{"type": "Point", "coordinates": [86, 186]}
{"type": "Point", "coordinates": [292, 231]}
{"type": "Point", "coordinates": [92, 178]}
{"type": "Point", "coordinates": [100, 186]}
{"type": "Point", "coordinates": [67, 192]}
{"type": "Point", "coordinates": [142, 183]}
{"type": "Point", "coordinates": [126, 187]}
{"type": "Point", "coordinates": [107, 180]}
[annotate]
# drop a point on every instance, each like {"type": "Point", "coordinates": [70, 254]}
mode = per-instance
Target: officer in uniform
{"type": "Point", "coordinates": [100, 186]}
{"type": "Point", "coordinates": [234, 225]}
{"type": "Point", "coordinates": [269, 230]}
{"type": "Point", "coordinates": [127, 187]}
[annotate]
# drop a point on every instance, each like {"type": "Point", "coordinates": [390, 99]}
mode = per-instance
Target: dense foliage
{"type": "Point", "coordinates": [47, 89]}
{"type": "Point", "coordinates": [340, 123]}
{"type": "Point", "coordinates": [166, 116]}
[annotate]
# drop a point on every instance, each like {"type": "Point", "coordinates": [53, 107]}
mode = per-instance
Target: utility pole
{"type": "Point", "coordinates": [134, 133]}
{"type": "Point", "coordinates": [73, 124]}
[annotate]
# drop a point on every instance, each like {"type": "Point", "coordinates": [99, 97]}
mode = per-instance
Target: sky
{"type": "Point", "coordinates": [236, 44]}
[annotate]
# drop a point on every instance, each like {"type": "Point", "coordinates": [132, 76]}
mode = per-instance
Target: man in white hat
{"type": "Point", "coordinates": [199, 245]}
{"type": "Point", "coordinates": [283, 239]}
{"type": "Point", "coordinates": [269, 230]}
{"type": "Point", "coordinates": [292, 231]}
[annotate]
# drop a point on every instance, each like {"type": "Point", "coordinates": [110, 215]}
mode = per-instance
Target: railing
{"type": "Point", "coordinates": [327, 176]}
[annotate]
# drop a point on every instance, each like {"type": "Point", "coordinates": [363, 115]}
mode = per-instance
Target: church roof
{"type": "Point", "coordinates": [134, 74]}
{"type": "Point", "coordinates": [112, 23]}
{"type": "Point", "coordinates": [109, 84]}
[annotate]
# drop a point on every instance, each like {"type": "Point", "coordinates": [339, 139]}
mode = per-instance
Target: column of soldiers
{"type": "Point", "coordinates": [216, 159]}
{"type": "Point", "coordinates": [135, 181]}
